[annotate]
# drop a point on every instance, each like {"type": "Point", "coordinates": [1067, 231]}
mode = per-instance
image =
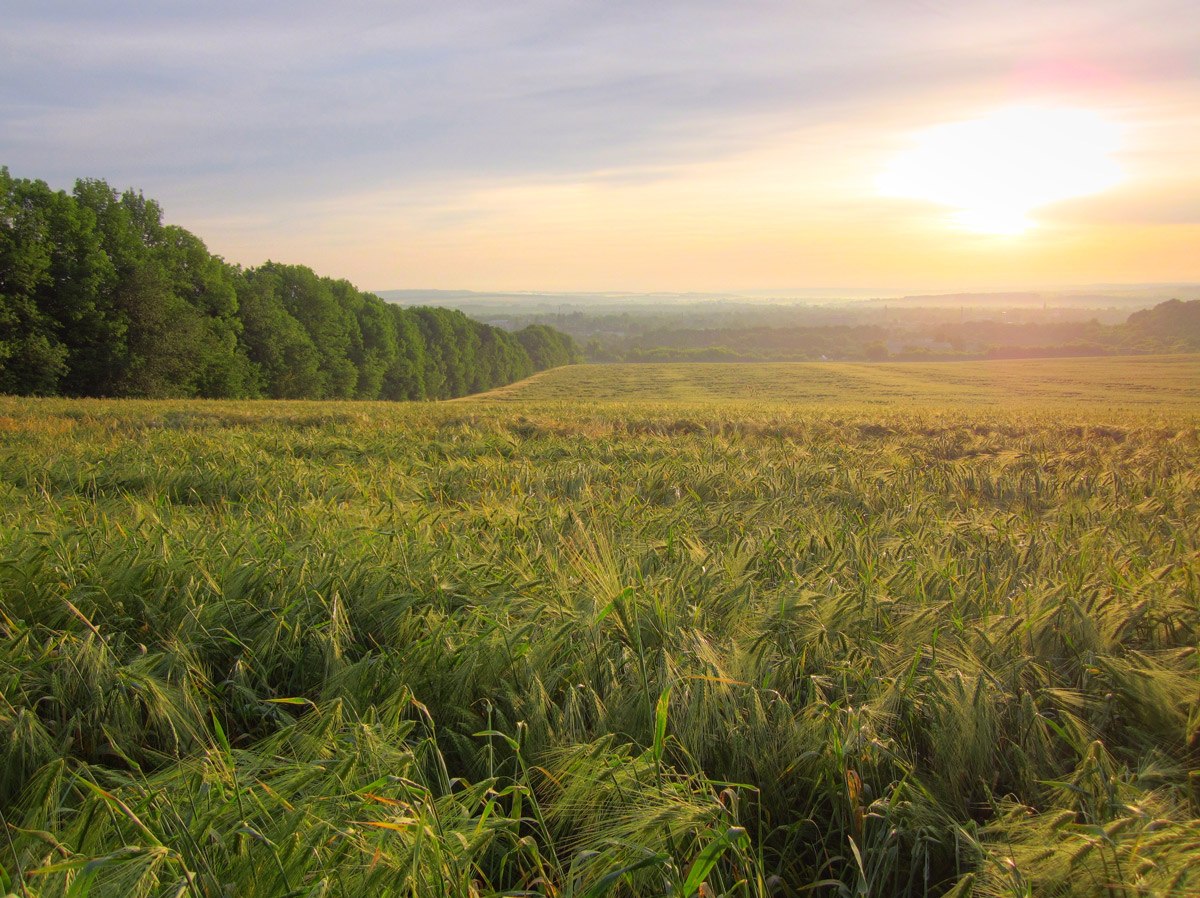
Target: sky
{"type": "Point", "coordinates": [676, 145]}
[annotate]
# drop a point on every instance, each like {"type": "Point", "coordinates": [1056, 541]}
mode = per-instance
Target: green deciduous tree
{"type": "Point", "coordinates": [98, 297]}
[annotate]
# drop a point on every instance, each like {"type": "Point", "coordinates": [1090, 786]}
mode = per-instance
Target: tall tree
{"type": "Point", "coordinates": [288, 365]}
{"type": "Point", "coordinates": [32, 357]}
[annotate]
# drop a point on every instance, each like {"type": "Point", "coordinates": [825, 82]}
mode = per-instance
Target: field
{"type": "Point", "coordinates": [831, 630]}
{"type": "Point", "coordinates": [1112, 384]}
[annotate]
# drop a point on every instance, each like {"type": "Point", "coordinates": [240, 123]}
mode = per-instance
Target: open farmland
{"type": "Point", "coordinates": [1105, 384]}
{"type": "Point", "coordinates": [628, 630]}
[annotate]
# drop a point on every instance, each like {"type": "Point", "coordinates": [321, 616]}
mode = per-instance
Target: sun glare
{"type": "Point", "coordinates": [996, 169]}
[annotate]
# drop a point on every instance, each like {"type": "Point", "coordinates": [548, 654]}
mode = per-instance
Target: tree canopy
{"type": "Point", "coordinates": [98, 297]}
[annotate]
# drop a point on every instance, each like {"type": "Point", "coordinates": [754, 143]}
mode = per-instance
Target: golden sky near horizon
{"type": "Point", "coordinates": [683, 147]}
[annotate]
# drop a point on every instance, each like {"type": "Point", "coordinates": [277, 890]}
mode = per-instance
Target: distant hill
{"type": "Point", "coordinates": [1101, 296]}
{"type": "Point", "coordinates": [1132, 297]}
{"type": "Point", "coordinates": [1172, 323]}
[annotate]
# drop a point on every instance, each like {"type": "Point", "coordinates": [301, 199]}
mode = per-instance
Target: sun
{"type": "Point", "coordinates": [996, 169]}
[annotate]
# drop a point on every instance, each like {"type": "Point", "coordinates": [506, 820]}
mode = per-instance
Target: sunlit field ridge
{"type": "Point", "coordinates": [1096, 383]}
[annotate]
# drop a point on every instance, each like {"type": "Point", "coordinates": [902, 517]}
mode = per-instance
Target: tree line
{"type": "Point", "coordinates": [1171, 326]}
{"type": "Point", "coordinates": [99, 298]}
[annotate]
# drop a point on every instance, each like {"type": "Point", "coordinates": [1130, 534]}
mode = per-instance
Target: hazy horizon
{"type": "Point", "coordinates": [1147, 294]}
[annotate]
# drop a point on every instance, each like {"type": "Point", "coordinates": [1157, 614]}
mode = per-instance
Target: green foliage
{"type": "Point", "coordinates": [53, 274]}
{"type": "Point", "coordinates": [99, 298]}
{"type": "Point", "coordinates": [1175, 324]}
{"type": "Point", "coordinates": [611, 648]}
{"type": "Point", "coordinates": [548, 348]}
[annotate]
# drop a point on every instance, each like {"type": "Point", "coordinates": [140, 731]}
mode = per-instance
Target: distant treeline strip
{"type": "Point", "coordinates": [1169, 327]}
{"type": "Point", "coordinates": [99, 298]}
